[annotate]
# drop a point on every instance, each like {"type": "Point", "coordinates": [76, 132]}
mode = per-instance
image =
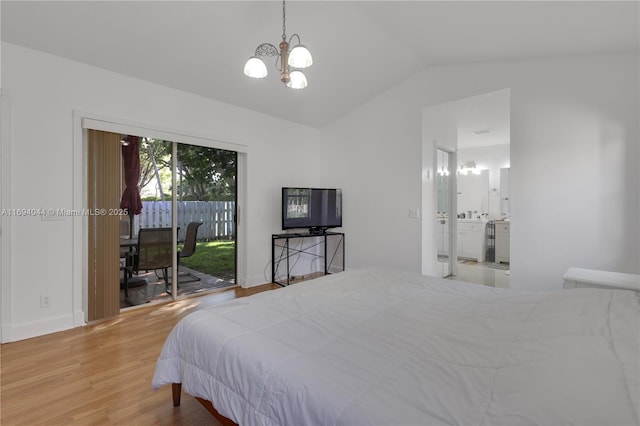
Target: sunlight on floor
{"type": "Point", "coordinates": [485, 273]}
{"type": "Point", "coordinates": [153, 291]}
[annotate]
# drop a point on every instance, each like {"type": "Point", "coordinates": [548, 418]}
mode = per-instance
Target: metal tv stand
{"type": "Point", "coordinates": [309, 248]}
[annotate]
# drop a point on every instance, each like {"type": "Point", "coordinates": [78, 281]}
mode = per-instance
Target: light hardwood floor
{"type": "Point", "coordinates": [100, 374]}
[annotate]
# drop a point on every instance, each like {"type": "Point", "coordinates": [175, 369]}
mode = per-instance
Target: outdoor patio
{"type": "Point", "coordinates": [188, 285]}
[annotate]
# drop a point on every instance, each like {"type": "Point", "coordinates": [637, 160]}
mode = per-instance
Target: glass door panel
{"type": "Point", "coordinates": [206, 205]}
{"type": "Point", "coordinates": [443, 212]}
{"type": "Point", "coordinates": [154, 184]}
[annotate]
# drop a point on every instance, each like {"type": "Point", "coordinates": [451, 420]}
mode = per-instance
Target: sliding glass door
{"type": "Point", "coordinates": [189, 188]}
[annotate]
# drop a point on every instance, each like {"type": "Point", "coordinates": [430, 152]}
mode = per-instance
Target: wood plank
{"type": "Point", "coordinates": [101, 373]}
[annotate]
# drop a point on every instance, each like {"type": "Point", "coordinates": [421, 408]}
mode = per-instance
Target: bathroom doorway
{"type": "Point", "coordinates": [477, 131]}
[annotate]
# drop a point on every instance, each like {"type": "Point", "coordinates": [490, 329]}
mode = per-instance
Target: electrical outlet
{"type": "Point", "coordinates": [414, 213]}
{"type": "Point", "coordinates": [44, 300]}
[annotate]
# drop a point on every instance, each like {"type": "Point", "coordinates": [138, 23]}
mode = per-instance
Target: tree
{"type": "Point", "coordinates": [206, 173]}
{"type": "Point", "coordinates": [153, 162]}
{"type": "Point", "coordinates": [203, 173]}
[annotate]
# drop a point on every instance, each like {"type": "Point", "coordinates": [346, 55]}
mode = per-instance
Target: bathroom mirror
{"type": "Point", "coordinates": [473, 192]}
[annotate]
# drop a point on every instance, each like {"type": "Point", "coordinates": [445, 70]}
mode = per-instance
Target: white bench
{"type": "Point", "coordinates": [580, 277]}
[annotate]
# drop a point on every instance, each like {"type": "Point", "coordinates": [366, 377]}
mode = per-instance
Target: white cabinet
{"type": "Point", "coordinates": [503, 229]}
{"type": "Point", "coordinates": [472, 239]}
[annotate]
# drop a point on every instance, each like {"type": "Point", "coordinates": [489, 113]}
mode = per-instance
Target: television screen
{"type": "Point", "coordinates": [313, 208]}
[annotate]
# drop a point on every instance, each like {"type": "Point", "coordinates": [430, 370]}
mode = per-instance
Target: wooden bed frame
{"type": "Point", "coordinates": [176, 390]}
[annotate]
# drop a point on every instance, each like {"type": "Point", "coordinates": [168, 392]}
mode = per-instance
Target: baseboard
{"type": "Point", "coordinates": [254, 281]}
{"type": "Point", "coordinates": [79, 319]}
{"type": "Point", "coordinates": [49, 325]}
{"type": "Point", "coordinates": [6, 334]}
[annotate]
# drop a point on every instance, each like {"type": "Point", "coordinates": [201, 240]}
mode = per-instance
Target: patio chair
{"type": "Point", "coordinates": [154, 252]}
{"type": "Point", "coordinates": [124, 233]}
{"type": "Point", "coordinates": [189, 246]}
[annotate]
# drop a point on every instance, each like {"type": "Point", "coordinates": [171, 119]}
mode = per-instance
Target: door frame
{"type": "Point", "coordinates": [84, 120]}
{"type": "Point", "coordinates": [5, 220]}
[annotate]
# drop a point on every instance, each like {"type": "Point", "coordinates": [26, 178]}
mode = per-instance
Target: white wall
{"type": "Point", "coordinates": [374, 155]}
{"type": "Point", "coordinates": [45, 91]}
{"type": "Point", "coordinates": [574, 162]}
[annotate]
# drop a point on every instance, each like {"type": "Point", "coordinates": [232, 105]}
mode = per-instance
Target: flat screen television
{"type": "Point", "coordinates": [314, 209]}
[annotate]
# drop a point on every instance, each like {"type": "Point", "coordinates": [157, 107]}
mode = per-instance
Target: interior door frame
{"type": "Point", "coordinates": [84, 120]}
{"type": "Point", "coordinates": [5, 220]}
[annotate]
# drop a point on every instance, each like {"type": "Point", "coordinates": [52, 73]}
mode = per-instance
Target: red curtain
{"type": "Point", "coordinates": [131, 158]}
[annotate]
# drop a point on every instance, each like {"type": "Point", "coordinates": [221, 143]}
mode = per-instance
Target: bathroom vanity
{"type": "Point", "coordinates": [503, 229]}
{"type": "Point", "coordinates": [472, 239]}
{"type": "Point", "coordinates": [443, 236]}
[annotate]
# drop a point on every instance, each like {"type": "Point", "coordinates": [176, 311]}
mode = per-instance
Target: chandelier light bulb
{"type": "Point", "coordinates": [297, 80]}
{"type": "Point", "coordinates": [255, 68]}
{"type": "Point", "coordinates": [300, 57]}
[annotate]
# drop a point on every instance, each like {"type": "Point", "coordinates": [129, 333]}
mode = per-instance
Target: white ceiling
{"type": "Point", "coordinates": [360, 48]}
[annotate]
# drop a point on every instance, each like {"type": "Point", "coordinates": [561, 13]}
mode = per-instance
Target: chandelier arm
{"type": "Point", "coordinates": [267, 49]}
{"type": "Point", "coordinates": [295, 35]}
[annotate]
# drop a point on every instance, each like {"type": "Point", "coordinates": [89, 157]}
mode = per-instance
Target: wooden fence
{"type": "Point", "coordinates": [216, 217]}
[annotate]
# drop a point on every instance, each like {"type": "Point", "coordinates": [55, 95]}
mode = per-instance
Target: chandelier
{"type": "Point", "coordinates": [287, 62]}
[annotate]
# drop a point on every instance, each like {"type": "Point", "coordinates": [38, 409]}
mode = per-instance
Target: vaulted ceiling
{"type": "Point", "coordinates": [360, 48]}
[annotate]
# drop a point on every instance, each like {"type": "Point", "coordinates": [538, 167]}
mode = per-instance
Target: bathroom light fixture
{"type": "Point", "coordinates": [444, 171]}
{"type": "Point", "coordinates": [469, 167]}
{"type": "Point", "coordinates": [289, 60]}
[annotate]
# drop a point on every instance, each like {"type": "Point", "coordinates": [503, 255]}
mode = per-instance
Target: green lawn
{"type": "Point", "coordinates": [215, 258]}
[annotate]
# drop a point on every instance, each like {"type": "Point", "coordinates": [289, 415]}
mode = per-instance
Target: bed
{"type": "Point", "coordinates": [381, 347]}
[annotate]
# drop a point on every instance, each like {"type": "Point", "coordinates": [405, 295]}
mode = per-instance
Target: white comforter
{"type": "Point", "coordinates": [378, 347]}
